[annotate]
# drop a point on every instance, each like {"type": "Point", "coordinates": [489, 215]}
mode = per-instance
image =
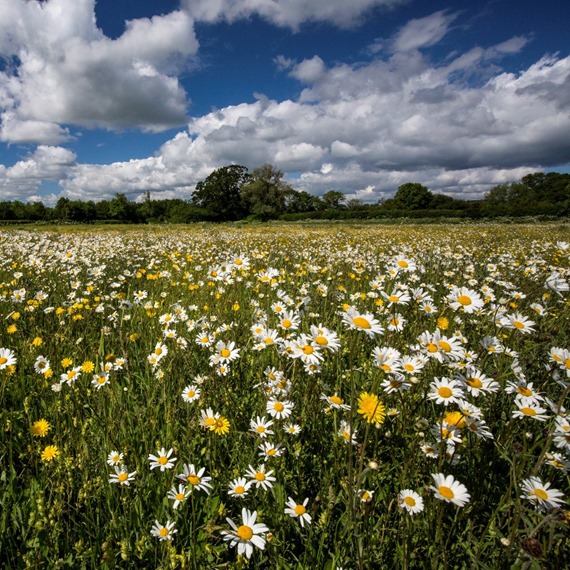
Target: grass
{"type": "Point", "coordinates": [154, 312]}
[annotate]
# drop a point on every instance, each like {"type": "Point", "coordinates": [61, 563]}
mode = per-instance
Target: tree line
{"type": "Point", "coordinates": [232, 193]}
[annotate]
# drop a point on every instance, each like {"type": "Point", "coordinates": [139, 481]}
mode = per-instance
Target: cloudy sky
{"type": "Point", "coordinates": [106, 96]}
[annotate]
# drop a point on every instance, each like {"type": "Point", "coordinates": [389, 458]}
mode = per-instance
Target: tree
{"type": "Point", "coordinates": [265, 194]}
{"type": "Point", "coordinates": [413, 196]}
{"type": "Point", "coordinates": [333, 199]}
{"type": "Point", "coordinates": [220, 194]}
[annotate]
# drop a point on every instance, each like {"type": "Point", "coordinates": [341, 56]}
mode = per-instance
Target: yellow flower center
{"type": "Point", "coordinates": [393, 298]}
{"type": "Point", "coordinates": [523, 391]}
{"type": "Point", "coordinates": [336, 400]}
{"type": "Point", "coordinates": [308, 349]}
{"type": "Point", "coordinates": [445, 346]}
{"type": "Point", "coordinates": [446, 492]}
{"type": "Point", "coordinates": [240, 490]}
{"type": "Point", "coordinates": [286, 323]}
{"type": "Point", "coordinates": [260, 429]}
{"type": "Point", "coordinates": [300, 510]}
{"type": "Point", "coordinates": [122, 477]}
{"type": "Point", "coordinates": [321, 340]}
{"type": "Point", "coordinates": [225, 352]}
{"type": "Point", "coordinates": [190, 393]}
{"type": "Point", "coordinates": [3, 360]}
{"type": "Point", "coordinates": [410, 501]}
{"type": "Point", "coordinates": [432, 347]}
{"type": "Point", "coordinates": [403, 263]}
{"type": "Point", "coordinates": [409, 367]}
{"type": "Point", "coordinates": [541, 494]}
{"type": "Point", "coordinates": [567, 363]}
{"type": "Point", "coordinates": [361, 323]}
{"type": "Point", "coordinates": [474, 382]}
{"type": "Point", "coordinates": [158, 351]}
{"type": "Point", "coordinates": [209, 421]}
{"type": "Point", "coordinates": [259, 476]}
{"type": "Point", "coordinates": [163, 460]}
{"type": "Point", "coordinates": [244, 532]}
{"type": "Point", "coordinates": [205, 339]}
{"type": "Point", "coordinates": [528, 411]}
{"type": "Point", "coordinates": [193, 479]}
{"type": "Point", "coordinates": [101, 379]}
{"type": "Point", "coordinates": [518, 325]}
{"type": "Point", "coordinates": [278, 407]}
{"type": "Point", "coordinates": [464, 300]}
{"type": "Point", "coordinates": [163, 531]}
{"type": "Point", "coordinates": [238, 262]}
{"type": "Point", "coordinates": [271, 451]}
{"type": "Point", "coordinates": [180, 496]}
{"type": "Point", "coordinates": [444, 392]}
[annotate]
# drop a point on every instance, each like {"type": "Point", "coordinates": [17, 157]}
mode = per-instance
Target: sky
{"type": "Point", "coordinates": [99, 97]}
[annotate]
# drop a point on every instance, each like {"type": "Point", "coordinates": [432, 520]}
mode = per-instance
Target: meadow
{"type": "Point", "coordinates": [285, 397]}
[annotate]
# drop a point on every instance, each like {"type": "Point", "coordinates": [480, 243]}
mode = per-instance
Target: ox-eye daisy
{"type": "Point", "coordinates": [298, 510]}
{"type": "Point", "coordinates": [247, 535]}
{"type": "Point", "coordinates": [448, 489]}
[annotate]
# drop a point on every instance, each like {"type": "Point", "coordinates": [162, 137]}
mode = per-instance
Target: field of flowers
{"type": "Point", "coordinates": [285, 397]}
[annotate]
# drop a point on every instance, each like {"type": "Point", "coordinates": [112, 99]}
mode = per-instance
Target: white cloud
{"type": "Point", "coordinates": [423, 32]}
{"type": "Point", "coordinates": [65, 71]}
{"type": "Point", "coordinates": [287, 13]}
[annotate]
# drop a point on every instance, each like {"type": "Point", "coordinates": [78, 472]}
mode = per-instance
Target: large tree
{"type": "Point", "coordinates": [413, 196]}
{"type": "Point", "coordinates": [220, 194]}
{"type": "Point", "coordinates": [265, 194]}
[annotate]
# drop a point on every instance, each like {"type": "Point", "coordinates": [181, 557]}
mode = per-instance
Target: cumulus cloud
{"type": "Point", "coordinates": [64, 70]}
{"type": "Point", "coordinates": [23, 179]}
{"type": "Point", "coordinates": [287, 13]}
{"type": "Point", "coordinates": [460, 125]}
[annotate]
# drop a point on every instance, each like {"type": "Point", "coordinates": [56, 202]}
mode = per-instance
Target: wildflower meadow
{"type": "Point", "coordinates": [285, 397]}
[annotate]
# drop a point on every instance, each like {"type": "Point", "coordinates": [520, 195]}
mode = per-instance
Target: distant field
{"type": "Point", "coordinates": [285, 396]}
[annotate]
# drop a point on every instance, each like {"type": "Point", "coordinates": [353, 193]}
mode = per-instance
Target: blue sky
{"type": "Point", "coordinates": [138, 95]}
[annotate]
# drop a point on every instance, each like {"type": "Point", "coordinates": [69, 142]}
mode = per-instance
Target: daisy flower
{"type": "Point", "coordinates": [261, 426]}
{"type": "Point", "coordinates": [347, 433]}
{"type": "Point", "coordinates": [100, 379]}
{"type": "Point", "coordinates": [7, 358]}
{"type": "Point", "coordinates": [239, 487]}
{"type": "Point", "coordinates": [466, 299]}
{"type": "Point", "coordinates": [163, 532]}
{"type": "Point", "coordinates": [448, 489]}
{"type": "Point", "coordinates": [411, 501]}
{"type": "Point", "coordinates": [162, 460]}
{"type": "Point", "coordinates": [335, 401]}
{"type": "Point", "coordinates": [519, 322]}
{"type": "Point", "coordinates": [445, 391]}
{"type": "Point", "coordinates": [178, 494]}
{"type": "Point", "coordinates": [267, 450]}
{"type": "Point", "coordinates": [195, 479]}
{"type": "Point", "coordinates": [259, 477]}
{"type": "Point", "coordinates": [279, 409]}
{"type": "Point", "coordinates": [541, 494]}
{"type": "Point", "coordinates": [292, 429]}
{"type": "Point", "coordinates": [365, 496]}
{"type": "Point", "coordinates": [122, 476]}
{"type": "Point", "coordinates": [247, 535]}
{"type": "Point", "coordinates": [325, 338]}
{"type": "Point", "coordinates": [364, 322]}
{"type": "Point", "coordinates": [208, 418]}
{"type": "Point", "coordinates": [533, 411]}
{"type": "Point", "coordinates": [191, 393]}
{"type": "Point", "coordinates": [299, 511]}
{"type": "Point", "coordinates": [114, 458]}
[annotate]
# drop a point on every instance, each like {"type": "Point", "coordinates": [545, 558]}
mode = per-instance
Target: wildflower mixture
{"type": "Point", "coordinates": [285, 395]}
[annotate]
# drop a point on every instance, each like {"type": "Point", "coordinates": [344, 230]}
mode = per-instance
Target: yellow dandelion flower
{"type": "Point", "coordinates": [88, 366]}
{"type": "Point", "coordinates": [66, 362]}
{"type": "Point", "coordinates": [221, 426]}
{"type": "Point", "coordinates": [11, 329]}
{"type": "Point", "coordinates": [40, 428]}
{"type": "Point", "coordinates": [443, 323]}
{"type": "Point", "coordinates": [50, 452]}
{"type": "Point", "coordinates": [37, 341]}
{"type": "Point", "coordinates": [371, 408]}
